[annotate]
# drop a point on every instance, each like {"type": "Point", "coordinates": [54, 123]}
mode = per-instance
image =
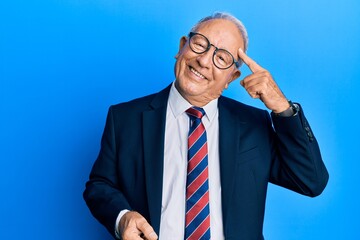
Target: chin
{"type": "Point", "coordinates": [192, 88]}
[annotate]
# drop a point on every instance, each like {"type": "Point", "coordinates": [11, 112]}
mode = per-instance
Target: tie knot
{"type": "Point", "coordinates": [196, 112]}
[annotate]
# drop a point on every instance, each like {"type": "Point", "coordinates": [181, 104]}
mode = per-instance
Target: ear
{"type": "Point", "coordinates": [183, 40]}
{"type": "Point", "coordinates": [233, 76]}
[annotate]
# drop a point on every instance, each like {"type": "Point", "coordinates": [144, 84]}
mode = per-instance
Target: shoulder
{"type": "Point", "coordinates": [137, 104]}
{"type": "Point", "coordinates": [141, 104]}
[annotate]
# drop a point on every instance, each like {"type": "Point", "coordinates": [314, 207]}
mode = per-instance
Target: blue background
{"type": "Point", "coordinates": [64, 62]}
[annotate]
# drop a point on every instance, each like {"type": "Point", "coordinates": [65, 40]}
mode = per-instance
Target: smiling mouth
{"type": "Point", "coordinates": [196, 73]}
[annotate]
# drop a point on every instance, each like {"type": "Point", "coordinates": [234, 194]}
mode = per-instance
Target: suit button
{"type": "Point", "coordinates": [310, 135]}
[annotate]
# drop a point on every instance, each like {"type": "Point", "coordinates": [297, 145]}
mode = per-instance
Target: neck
{"type": "Point", "coordinates": [196, 101]}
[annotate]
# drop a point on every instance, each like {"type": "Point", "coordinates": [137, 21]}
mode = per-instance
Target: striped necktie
{"type": "Point", "coordinates": [197, 217]}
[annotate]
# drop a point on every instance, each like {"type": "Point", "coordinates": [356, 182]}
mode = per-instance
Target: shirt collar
{"type": "Point", "coordinates": [179, 105]}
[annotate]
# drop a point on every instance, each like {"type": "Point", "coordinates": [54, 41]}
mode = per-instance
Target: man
{"type": "Point", "coordinates": [156, 149]}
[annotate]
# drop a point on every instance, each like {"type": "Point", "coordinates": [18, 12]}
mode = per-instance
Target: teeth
{"type": "Point", "coordinates": [197, 73]}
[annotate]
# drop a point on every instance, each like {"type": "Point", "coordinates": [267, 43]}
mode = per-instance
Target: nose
{"type": "Point", "coordinates": [205, 59]}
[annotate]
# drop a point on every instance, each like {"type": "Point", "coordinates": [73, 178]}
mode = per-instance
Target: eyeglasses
{"type": "Point", "coordinates": [222, 58]}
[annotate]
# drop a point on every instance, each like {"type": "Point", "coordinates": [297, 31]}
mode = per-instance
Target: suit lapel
{"type": "Point", "coordinates": [230, 131]}
{"type": "Point", "coordinates": [153, 140]}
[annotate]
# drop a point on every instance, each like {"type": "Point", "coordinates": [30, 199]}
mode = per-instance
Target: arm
{"type": "Point", "coordinates": [103, 195]}
{"type": "Point", "coordinates": [297, 162]}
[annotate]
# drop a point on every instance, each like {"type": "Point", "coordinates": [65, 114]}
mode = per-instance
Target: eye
{"type": "Point", "coordinates": [223, 58]}
{"type": "Point", "coordinates": [199, 45]}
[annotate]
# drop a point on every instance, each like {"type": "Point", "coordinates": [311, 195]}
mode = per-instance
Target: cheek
{"type": "Point", "coordinates": [178, 69]}
{"type": "Point", "coordinates": [180, 65]}
{"type": "Point", "coordinates": [221, 81]}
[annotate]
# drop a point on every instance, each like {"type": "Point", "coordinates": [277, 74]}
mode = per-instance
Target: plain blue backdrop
{"type": "Point", "coordinates": [64, 62]}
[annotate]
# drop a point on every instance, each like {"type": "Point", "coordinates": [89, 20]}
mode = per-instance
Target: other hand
{"type": "Point", "coordinates": [133, 226]}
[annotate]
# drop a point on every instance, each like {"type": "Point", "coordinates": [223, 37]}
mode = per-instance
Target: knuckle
{"type": "Point", "coordinates": [141, 222]}
{"type": "Point", "coordinates": [266, 73]}
{"type": "Point", "coordinates": [147, 227]}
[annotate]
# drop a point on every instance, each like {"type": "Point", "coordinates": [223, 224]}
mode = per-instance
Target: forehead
{"type": "Point", "coordinates": [222, 33]}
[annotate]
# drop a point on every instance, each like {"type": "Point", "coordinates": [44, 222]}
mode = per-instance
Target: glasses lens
{"type": "Point", "coordinates": [223, 59]}
{"type": "Point", "coordinates": [199, 43]}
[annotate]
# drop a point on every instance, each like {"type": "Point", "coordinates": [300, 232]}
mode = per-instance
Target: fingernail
{"type": "Point", "coordinates": [241, 50]}
{"type": "Point", "coordinates": [242, 82]}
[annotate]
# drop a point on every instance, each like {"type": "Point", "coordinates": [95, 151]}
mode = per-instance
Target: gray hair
{"type": "Point", "coordinates": [226, 16]}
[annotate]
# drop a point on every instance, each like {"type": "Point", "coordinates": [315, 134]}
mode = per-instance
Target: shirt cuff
{"type": "Point", "coordinates": [121, 214]}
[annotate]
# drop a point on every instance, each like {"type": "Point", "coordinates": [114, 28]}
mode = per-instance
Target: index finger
{"type": "Point", "coordinates": [148, 231]}
{"type": "Point", "coordinates": [254, 67]}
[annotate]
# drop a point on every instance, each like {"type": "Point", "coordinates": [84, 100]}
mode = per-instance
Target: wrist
{"type": "Point", "coordinates": [292, 110]}
{"type": "Point", "coordinates": [282, 108]}
{"type": "Point", "coordinates": [118, 224]}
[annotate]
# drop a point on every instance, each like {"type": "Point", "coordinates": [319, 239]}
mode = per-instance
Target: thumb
{"type": "Point", "coordinates": [242, 83]}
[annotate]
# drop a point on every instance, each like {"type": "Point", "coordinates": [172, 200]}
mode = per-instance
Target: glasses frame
{"type": "Point", "coordinates": [191, 34]}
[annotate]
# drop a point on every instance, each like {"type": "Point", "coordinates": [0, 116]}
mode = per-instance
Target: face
{"type": "Point", "coordinates": [197, 79]}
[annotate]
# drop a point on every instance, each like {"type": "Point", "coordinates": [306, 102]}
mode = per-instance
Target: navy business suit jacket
{"type": "Point", "coordinates": [128, 172]}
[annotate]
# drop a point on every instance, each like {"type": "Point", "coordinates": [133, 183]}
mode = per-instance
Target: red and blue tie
{"type": "Point", "coordinates": [197, 217]}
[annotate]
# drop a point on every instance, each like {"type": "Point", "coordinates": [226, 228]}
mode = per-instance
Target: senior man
{"type": "Point", "coordinates": [188, 163]}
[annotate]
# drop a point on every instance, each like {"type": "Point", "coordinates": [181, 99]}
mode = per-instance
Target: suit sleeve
{"type": "Point", "coordinates": [297, 163]}
{"type": "Point", "coordinates": [102, 194]}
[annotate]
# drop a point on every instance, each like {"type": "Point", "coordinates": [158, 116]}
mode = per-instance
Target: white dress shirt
{"type": "Point", "coordinates": [172, 223]}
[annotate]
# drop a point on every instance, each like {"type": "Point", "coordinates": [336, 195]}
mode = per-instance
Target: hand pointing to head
{"type": "Point", "coordinates": [260, 84]}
